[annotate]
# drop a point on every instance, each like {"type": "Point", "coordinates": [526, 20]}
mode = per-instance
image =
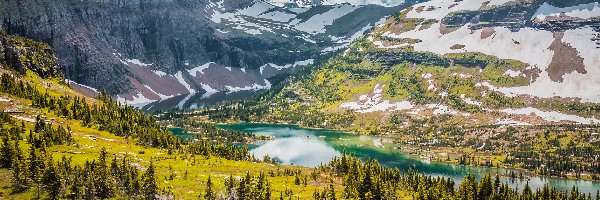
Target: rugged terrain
{"type": "Point", "coordinates": [469, 77]}
{"type": "Point", "coordinates": [144, 51]}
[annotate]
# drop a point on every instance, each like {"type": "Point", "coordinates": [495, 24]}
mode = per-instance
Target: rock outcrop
{"type": "Point", "coordinates": [143, 51]}
{"type": "Point", "coordinates": [22, 54]}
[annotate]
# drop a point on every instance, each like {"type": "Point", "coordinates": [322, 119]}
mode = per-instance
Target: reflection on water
{"type": "Point", "coordinates": [308, 147]}
{"type": "Point", "coordinates": [297, 151]}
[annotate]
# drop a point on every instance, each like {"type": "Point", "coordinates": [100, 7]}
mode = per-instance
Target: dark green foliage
{"type": "Point", "coordinates": [248, 187]}
{"type": "Point", "coordinates": [209, 194]}
{"type": "Point", "coordinates": [369, 180]}
{"type": "Point", "coordinates": [149, 187]}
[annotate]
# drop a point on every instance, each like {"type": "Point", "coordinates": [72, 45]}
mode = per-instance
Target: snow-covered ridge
{"type": "Point", "coordinates": [505, 43]}
{"type": "Point", "coordinates": [583, 11]}
{"type": "Point", "coordinates": [300, 3]}
{"type": "Point", "coordinates": [263, 17]}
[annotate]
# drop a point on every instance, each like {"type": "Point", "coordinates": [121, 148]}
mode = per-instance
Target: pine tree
{"type": "Point", "coordinates": [527, 193]}
{"type": "Point", "coordinates": [77, 187]}
{"type": "Point", "coordinates": [19, 175]}
{"type": "Point", "coordinates": [104, 183]}
{"type": "Point", "coordinates": [297, 180]}
{"type": "Point", "coordinates": [468, 188]}
{"type": "Point", "coordinates": [230, 184]}
{"type": "Point", "coordinates": [208, 193]}
{"type": "Point", "coordinates": [485, 188]}
{"type": "Point", "coordinates": [52, 181]}
{"type": "Point", "coordinates": [6, 153]}
{"type": "Point", "coordinates": [149, 188]}
{"type": "Point", "coordinates": [331, 192]}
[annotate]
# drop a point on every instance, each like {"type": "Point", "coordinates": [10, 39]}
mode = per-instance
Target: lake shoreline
{"type": "Point", "coordinates": [428, 153]}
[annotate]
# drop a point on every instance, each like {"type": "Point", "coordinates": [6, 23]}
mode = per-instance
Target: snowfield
{"type": "Point", "coordinates": [583, 11]}
{"type": "Point", "coordinates": [551, 116]}
{"type": "Point", "coordinates": [375, 103]}
{"type": "Point", "coordinates": [516, 45]}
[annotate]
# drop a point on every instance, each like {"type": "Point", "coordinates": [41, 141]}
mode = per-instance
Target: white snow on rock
{"type": "Point", "coordinates": [179, 76]}
{"type": "Point", "coordinates": [138, 101]}
{"type": "Point", "coordinates": [515, 45]}
{"type": "Point", "coordinates": [470, 101]}
{"type": "Point", "coordinates": [208, 89]}
{"type": "Point", "coordinates": [386, 3]}
{"type": "Point", "coordinates": [431, 85]}
{"type": "Point", "coordinates": [27, 119]}
{"type": "Point", "coordinates": [85, 86]}
{"type": "Point", "coordinates": [441, 109]}
{"type": "Point", "coordinates": [184, 100]}
{"type": "Point", "coordinates": [316, 24]}
{"type": "Point", "coordinates": [200, 69]}
{"type": "Point", "coordinates": [551, 116]}
{"type": "Point", "coordinates": [281, 67]}
{"type": "Point", "coordinates": [445, 7]}
{"type": "Point", "coordinates": [162, 96]}
{"type": "Point", "coordinates": [426, 75]}
{"type": "Point", "coordinates": [513, 73]}
{"type": "Point", "coordinates": [2, 99]}
{"type": "Point", "coordinates": [375, 103]}
{"type": "Point", "coordinates": [138, 62]}
{"type": "Point", "coordinates": [159, 73]}
{"type": "Point", "coordinates": [254, 86]}
{"type": "Point", "coordinates": [512, 122]}
{"type": "Point", "coordinates": [582, 11]}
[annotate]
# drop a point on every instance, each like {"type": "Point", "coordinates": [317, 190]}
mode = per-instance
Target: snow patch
{"type": "Point", "coordinates": [552, 116]}
{"type": "Point", "coordinates": [208, 89]}
{"type": "Point", "coordinates": [317, 23]}
{"type": "Point", "coordinates": [513, 73]}
{"type": "Point", "coordinates": [512, 122]}
{"type": "Point", "coordinates": [179, 76]}
{"type": "Point", "coordinates": [375, 103]}
{"type": "Point", "coordinates": [85, 86]}
{"type": "Point", "coordinates": [441, 109]}
{"type": "Point", "coordinates": [200, 69]}
{"type": "Point", "coordinates": [254, 87]}
{"type": "Point", "coordinates": [470, 101]}
{"type": "Point", "coordinates": [138, 101]}
{"type": "Point", "coordinates": [27, 119]}
{"type": "Point", "coordinates": [582, 11]}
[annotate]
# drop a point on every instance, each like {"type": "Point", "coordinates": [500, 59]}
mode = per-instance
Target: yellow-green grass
{"type": "Point", "coordinates": [90, 141]}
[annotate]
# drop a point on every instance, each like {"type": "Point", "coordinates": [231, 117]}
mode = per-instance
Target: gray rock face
{"type": "Point", "coordinates": [22, 54]}
{"type": "Point", "coordinates": [106, 43]}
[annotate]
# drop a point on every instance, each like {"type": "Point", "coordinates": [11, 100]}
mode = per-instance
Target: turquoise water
{"type": "Point", "coordinates": [309, 147]}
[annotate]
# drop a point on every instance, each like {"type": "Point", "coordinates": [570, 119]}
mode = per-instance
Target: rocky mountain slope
{"type": "Point", "coordinates": [482, 62]}
{"type": "Point", "coordinates": [509, 84]}
{"type": "Point", "coordinates": [144, 51]}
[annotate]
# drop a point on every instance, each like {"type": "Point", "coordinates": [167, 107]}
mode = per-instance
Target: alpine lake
{"type": "Point", "coordinates": [312, 147]}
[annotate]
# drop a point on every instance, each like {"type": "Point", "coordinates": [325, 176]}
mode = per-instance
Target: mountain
{"type": "Point", "coordinates": [311, 3]}
{"type": "Point", "coordinates": [486, 62]}
{"type": "Point", "coordinates": [144, 51]}
{"type": "Point", "coordinates": [508, 84]}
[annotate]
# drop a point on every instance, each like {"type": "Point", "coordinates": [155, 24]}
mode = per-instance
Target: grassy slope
{"type": "Point", "coordinates": [89, 141]}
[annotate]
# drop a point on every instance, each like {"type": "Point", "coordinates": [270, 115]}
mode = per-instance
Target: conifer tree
{"type": "Point", "coordinates": [149, 188]}
{"type": "Point", "coordinates": [331, 192]}
{"type": "Point", "coordinates": [208, 192]}
{"type": "Point", "coordinates": [52, 181]}
{"type": "Point", "coordinates": [19, 175]}
{"type": "Point", "coordinates": [485, 188]}
{"type": "Point", "coordinates": [6, 153]}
